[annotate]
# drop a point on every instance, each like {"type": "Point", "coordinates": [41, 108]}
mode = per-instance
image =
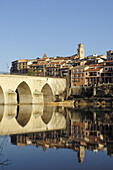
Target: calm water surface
{"type": "Point", "coordinates": [41, 137]}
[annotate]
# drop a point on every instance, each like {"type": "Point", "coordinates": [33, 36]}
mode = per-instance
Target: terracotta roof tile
{"type": "Point", "coordinates": [97, 69]}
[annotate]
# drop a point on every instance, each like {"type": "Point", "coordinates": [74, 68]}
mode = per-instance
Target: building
{"type": "Point", "coordinates": [54, 66]}
{"type": "Point", "coordinates": [107, 73]}
{"type": "Point", "coordinates": [31, 66]}
{"type": "Point", "coordinates": [95, 59]}
{"type": "Point", "coordinates": [78, 69]}
{"type": "Point", "coordinates": [110, 55]}
{"type": "Point", "coordinates": [78, 75]}
{"type": "Point", "coordinates": [53, 71]}
{"type": "Point", "coordinates": [38, 68]}
{"type": "Point", "coordinates": [20, 66]}
{"type": "Point", "coordinates": [93, 74]}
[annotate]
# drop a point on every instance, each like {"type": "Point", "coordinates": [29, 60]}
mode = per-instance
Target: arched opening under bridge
{"type": "Point", "coordinates": [1, 96]}
{"type": "Point", "coordinates": [47, 93]}
{"type": "Point", "coordinates": [24, 95]}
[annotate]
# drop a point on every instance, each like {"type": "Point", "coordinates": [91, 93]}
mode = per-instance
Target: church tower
{"type": "Point", "coordinates": [80, 51]}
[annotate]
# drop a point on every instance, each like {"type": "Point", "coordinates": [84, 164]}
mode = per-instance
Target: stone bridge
{"type": "Point", "coordinates": [20, 89]}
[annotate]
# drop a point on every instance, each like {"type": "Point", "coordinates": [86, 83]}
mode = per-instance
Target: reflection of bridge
{"type": "Point", "coordinates": [29, 89]}
{"type": "Point", "coordinates": [29, 118]}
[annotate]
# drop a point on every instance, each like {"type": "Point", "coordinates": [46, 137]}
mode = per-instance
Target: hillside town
{"type": "Point", "coordinates": [78, 69]}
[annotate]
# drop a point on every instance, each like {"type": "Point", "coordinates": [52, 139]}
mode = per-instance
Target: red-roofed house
{"type": "Point", "coordinates": [93, 74]}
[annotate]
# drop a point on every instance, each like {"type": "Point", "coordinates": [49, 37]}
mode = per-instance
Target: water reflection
{"type": "Point", "coordinates": [29, 118]}
{"type": "Point", "coordinates": [47, 114]}
{"type": "Point", "coordinates": [59, 127]}
{"type": "Point", "coordinates": [88, 129]}
{"type": "Point", "coordinates": [23, 114]}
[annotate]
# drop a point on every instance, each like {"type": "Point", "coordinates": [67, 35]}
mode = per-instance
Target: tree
{"type": "Point", "coordinates": [31, 72]}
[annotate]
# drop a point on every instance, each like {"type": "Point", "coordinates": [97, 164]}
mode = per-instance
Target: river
{"type": "Point", "coordinates": [57, 138]}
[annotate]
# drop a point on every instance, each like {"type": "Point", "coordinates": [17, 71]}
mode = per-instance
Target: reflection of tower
{"type": "Point", "coordinates": [94, 116]}
{"type": "Point", "coordinates": [80, 51]}
{"type": "Point", "coordinates": [68, 122]}
{"type": "Point", "coordinates": [44, 148]}
{"type": "Point", "coordinates": [80, 154]}
{"type": "Point", "coordinates": [110, 149]}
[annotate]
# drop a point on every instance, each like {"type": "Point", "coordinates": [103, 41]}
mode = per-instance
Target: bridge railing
{"type": "Point", "coordinates": [37, 75]}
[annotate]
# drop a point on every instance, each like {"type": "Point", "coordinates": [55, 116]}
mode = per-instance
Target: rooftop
{"type": "Point", "coordinates": [80, 67]}
{"type": "Point", "coordinates": [93, 70]}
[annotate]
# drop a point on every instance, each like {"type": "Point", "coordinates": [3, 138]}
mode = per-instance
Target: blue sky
{"type": "Point", "coordinates": [30, 28]}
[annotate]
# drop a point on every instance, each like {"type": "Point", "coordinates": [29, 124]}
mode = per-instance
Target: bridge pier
{"type": "Point", "coordinates": [37, 97]}
{"type": "Point", "coordinates": [10, 97]}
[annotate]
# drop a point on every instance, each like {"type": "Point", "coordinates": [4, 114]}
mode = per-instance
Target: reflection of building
{"type": "Point", "coordinates": [19, 140]}
{"type": "Point", "coordinates": [83, 131]}
{"type": "Point", "coordinates": [110, 149]}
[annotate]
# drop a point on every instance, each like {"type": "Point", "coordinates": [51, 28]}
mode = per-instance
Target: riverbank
{"type": "Point", "coordinates": [96, 102]}
{"type": "Point", "coordinates": [67, 103]}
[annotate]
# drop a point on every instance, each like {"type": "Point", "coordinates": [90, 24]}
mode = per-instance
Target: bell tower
{"type": "Point", "coordinates": [80, 51]}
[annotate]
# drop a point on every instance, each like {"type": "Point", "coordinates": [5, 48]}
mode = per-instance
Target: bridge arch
{"type": "Point", "coordinates": [24, 95]}
{"type": "Point", "coordinates": [1, 96]}
{"type": "Point", "coordinates": [47, 93]}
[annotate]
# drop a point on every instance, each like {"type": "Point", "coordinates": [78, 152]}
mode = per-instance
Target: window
{"type": "Point", "coordinates": [74, 71]}
{"type": "Point", "coordinates": [95, 73]}
{"type": "Point", "coordinates": [91, 74]}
